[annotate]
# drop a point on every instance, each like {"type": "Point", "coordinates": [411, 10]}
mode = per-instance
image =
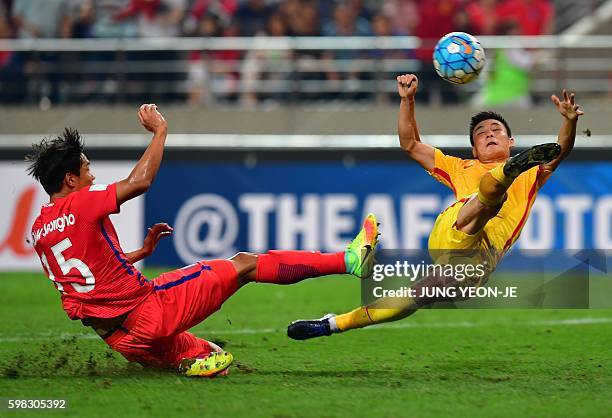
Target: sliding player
{"type": "Point", "coordinates": [147, 320]}
{"type": "Point", "coordinates": [494, 195]}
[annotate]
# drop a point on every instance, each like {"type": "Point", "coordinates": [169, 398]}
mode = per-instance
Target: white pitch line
{"type": "Point", "coordinates": [403, 325]}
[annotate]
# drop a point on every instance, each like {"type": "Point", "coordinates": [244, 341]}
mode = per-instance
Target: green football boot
{"type": "Point", "coordinates": [359, 254]}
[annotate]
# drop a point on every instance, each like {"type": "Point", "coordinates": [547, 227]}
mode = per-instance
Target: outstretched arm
{"type": "Point", "coordinates": [154, 234]}
{"type": "Point", "coordinates": [407, 128]}
{"type": "Point", "coordinates": [143, 174]}
{"type": "Point", "coordinates": [567, 134]}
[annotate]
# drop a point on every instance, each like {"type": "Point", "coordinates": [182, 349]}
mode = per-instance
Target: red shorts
{"type": "Point", "coordinates": [154, 333]}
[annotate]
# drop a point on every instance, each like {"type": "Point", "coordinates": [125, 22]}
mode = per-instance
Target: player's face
{"type": "Point", "coordinates": [86, 177]}
{"type": "Point", "coordinates": [491, 141]}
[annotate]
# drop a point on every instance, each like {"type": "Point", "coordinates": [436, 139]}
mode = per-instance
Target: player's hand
{"type": "Point", "coordinates": [407, 85]}
{"type": "Point", "coordinates": [154, 234]}
{"type": "Point", "coordinates": [151, 119]}
{"type": "Point", "coordinates": [567, 107]}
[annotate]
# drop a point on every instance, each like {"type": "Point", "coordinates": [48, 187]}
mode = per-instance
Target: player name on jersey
{"type": "Point", "coordinates": [57, 224]}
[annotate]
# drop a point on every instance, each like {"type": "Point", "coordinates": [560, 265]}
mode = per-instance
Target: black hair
{"type": "Point", "coordinates": [51, 159]}
{"type": "Point", "coordinates": [479, 117]}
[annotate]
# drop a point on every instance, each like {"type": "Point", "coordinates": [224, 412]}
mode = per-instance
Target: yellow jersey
{"type": "Point", "coordinates": [463, 178]}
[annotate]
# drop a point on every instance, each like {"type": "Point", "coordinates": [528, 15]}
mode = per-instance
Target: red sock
{"type": "Point", "coordinates": [287, 267]}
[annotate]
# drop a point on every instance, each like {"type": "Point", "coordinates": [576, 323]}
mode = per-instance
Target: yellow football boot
{"type": "Point", "coordinates": [215, 363]}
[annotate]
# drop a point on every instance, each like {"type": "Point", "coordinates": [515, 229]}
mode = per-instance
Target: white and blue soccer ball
{"type": "Point", "coordinates": [459, 57]}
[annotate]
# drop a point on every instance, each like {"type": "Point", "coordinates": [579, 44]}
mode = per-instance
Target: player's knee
{"type": "Point", "coordinates": [487, 210]}
{"type": "Point", "coordinates": [244, 258]}
{"type": "Point", "coordinates": [473, 216]}
{"type": "Point", "coordinates": [244, 263]}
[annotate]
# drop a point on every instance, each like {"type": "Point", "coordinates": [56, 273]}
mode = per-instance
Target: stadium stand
{"type": "Point", "coordinates": [256, 52]}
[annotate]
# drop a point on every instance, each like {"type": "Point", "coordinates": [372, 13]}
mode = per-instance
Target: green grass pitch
{"type": "Point", "coordinates": [460, 363]}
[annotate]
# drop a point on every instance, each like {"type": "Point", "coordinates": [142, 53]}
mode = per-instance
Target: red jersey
{"type": "Point", "coordinates": [79, 250]}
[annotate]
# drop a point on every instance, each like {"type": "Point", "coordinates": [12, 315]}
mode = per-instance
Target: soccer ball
{"type": "Point", "coordinates": [458, 57]}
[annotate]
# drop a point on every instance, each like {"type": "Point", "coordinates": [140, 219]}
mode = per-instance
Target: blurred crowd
{"type": "Point", "coordinates": [162, 18]}
{"type": "Point", "coordinates": [427, 19]}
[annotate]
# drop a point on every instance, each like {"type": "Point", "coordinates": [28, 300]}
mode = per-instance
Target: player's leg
{"type": "Point", "coordinates": [193, 356]}
{"type": "Point", "coordinates": [288, 267]}
{"type": "Point", "coordinates": [444, 235]}
{"type": "Point", "coordinates": [493, 186]}
{"type": "Point", "coordinates": [380, 311]}
{"type": "Point", "coordinates": [184, 353]}
{"type": "Point", "coordinates": [151, 334]}
{"type": "Point", "coordinates": [363, 316]}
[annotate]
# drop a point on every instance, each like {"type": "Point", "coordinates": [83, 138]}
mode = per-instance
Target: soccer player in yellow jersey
{"type": "Point", "coordinates": [494, 195]}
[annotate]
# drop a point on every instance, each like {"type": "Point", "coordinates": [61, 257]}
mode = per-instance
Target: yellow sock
{"type": "Point", "coordinates": [357, 318]}
{"type": "Point", "coordinates": [491, 202]}
{"type": "Point", "coordinates": [370, 315]}
{"type": "Point", "coordinates": [493, 186]}
{"type": "Point", "coordinates": [498, 174]}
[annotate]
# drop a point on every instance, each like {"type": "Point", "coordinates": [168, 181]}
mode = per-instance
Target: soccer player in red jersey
{"type": "Point", "coordinates": [147, 320]}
